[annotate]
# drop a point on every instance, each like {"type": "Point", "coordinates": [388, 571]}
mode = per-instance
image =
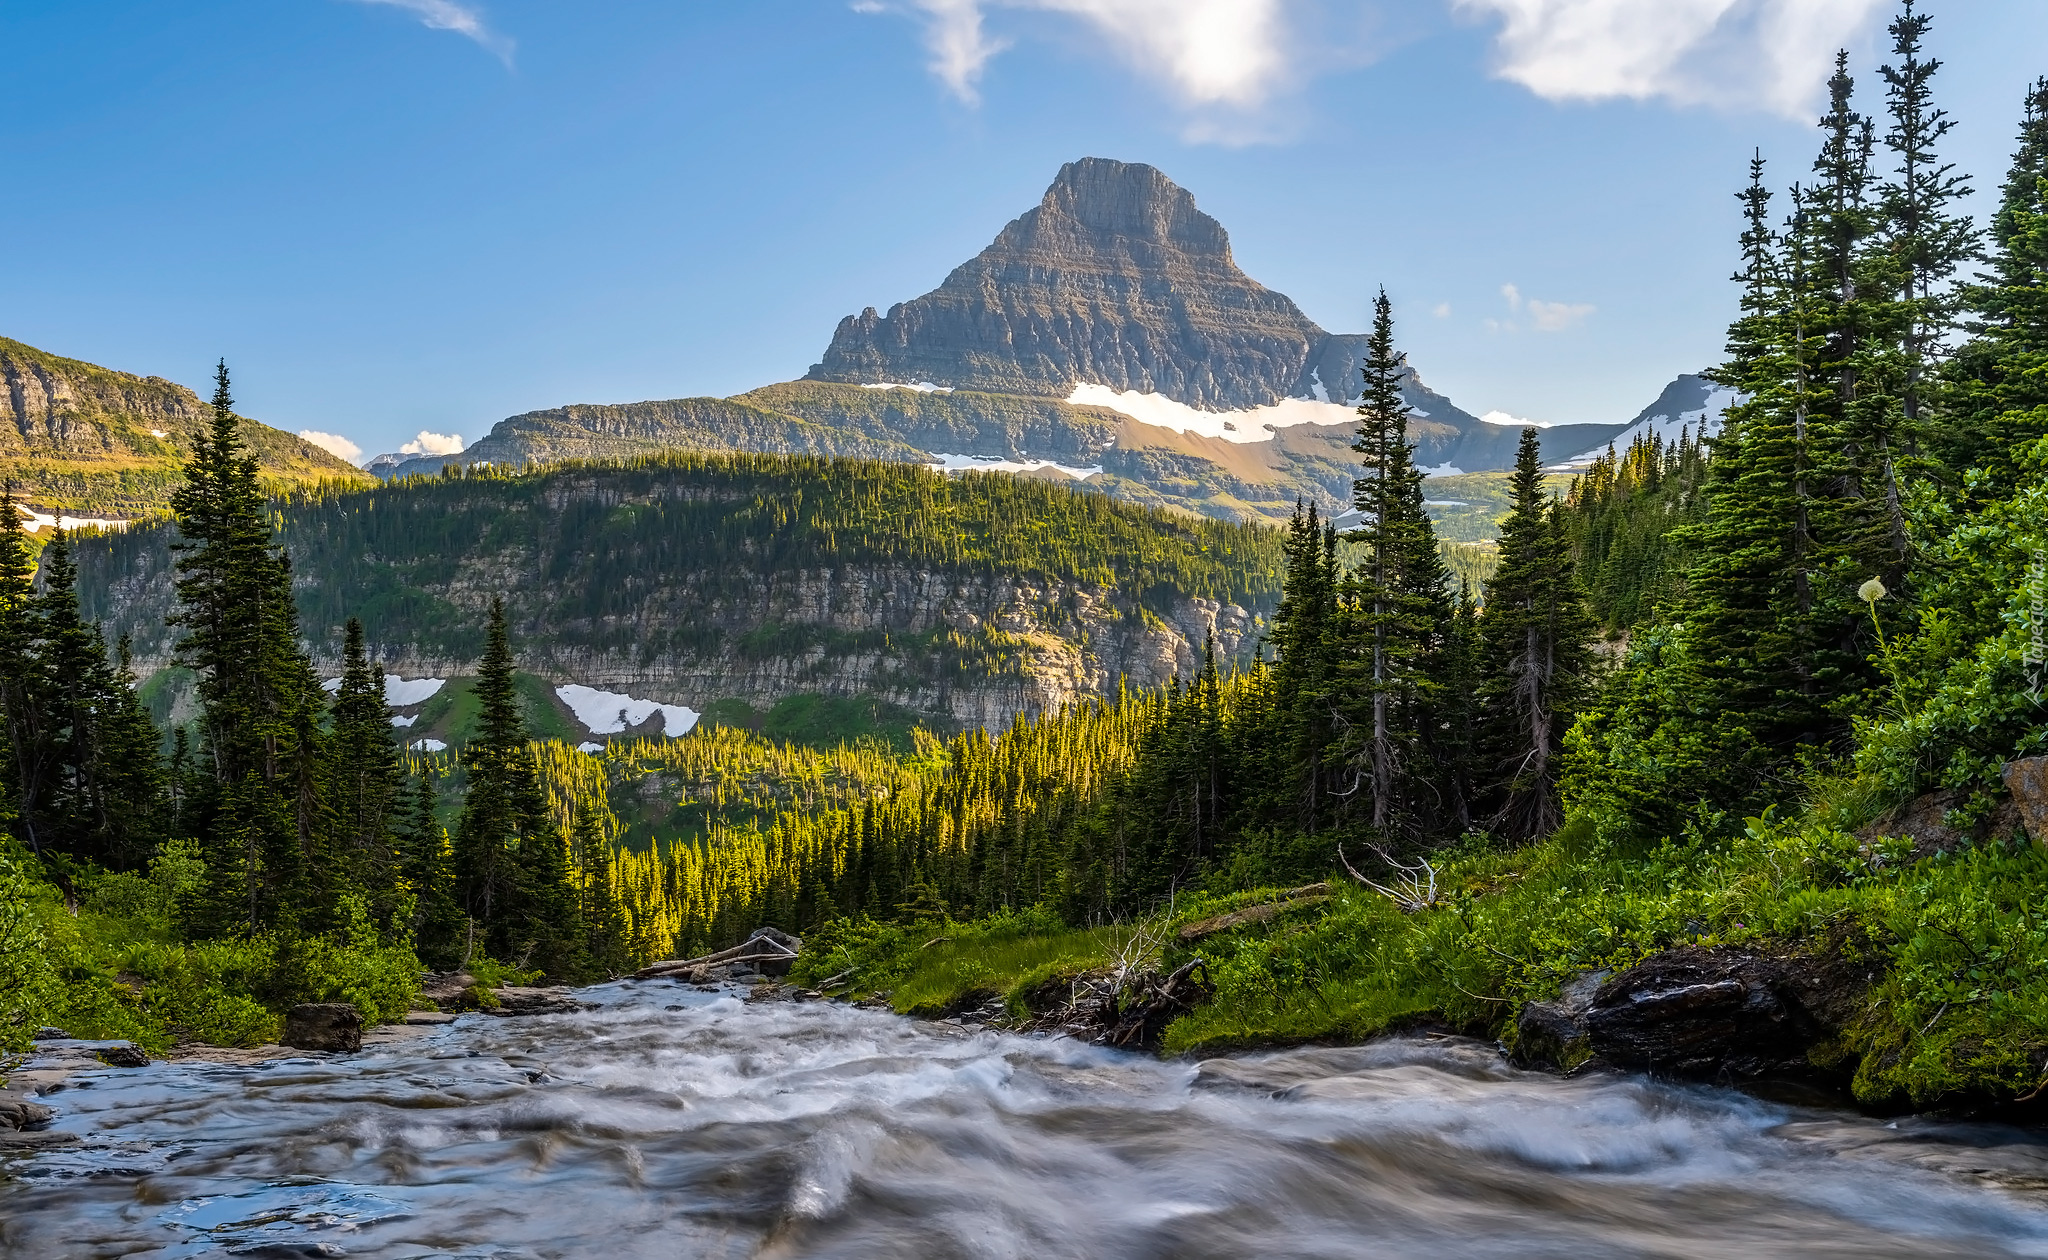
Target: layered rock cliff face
{"type": "Point", "coordinates": [757, 580]}
{"type": "Point", "coordinates": [83, 439]}
{"type": "Point", "coordinates": [1115, 278]}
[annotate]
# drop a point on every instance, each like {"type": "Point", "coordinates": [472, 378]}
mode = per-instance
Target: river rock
{"type": "Point", "coordinates": [1719, 1012]}
{"type": "Point", "coordinates": [2027, 780]}
{"type": "Point", "coordinates": [521, 1000]}
{"type": "Point", "coordinates": [125, 1056]}
{"type": "Point", "coordinates": [50, 1034]}
{"type": "Point", "coordinates": [18, 1113]}
{"type": "Point", "coordinates": [323, 1026]}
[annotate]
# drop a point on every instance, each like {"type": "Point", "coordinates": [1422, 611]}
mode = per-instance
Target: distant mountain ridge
{"type": "Point", "coordinates": [1107, 331]}
{"type": "Point", "coordinates": [82, 439]}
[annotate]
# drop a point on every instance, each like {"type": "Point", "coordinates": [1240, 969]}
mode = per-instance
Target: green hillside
{"type": "Point", "coordinates": [81, 439]}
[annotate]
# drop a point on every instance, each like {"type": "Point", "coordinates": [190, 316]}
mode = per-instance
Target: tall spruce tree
{"type": "Point", "coordinates": [1298, 751]}
{"type": "Point", "coordinates": [1536, 659]}
{"type": "Point", "coordinates": [506, 878]}
{"type": "Point", "coordinates": [439, 928]}
{"type": "Point", "coordinates": [261, 821]}
{"type": "Point", "coordinates": [1396, 601]}
{"type": "Point", "coordinates": [1999, 379]}
{"type": "Point", "coordinates": [364, 781]}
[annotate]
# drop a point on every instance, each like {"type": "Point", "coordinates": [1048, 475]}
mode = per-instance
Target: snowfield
{"type": "Point", "coordinates": [977, 463]}
{"type": "Point", "coordinates": [610, 712]}
{"type": "Point", "coordinates": [1255, 425]}
{"type": "Point", "coordinates": [400, 693]}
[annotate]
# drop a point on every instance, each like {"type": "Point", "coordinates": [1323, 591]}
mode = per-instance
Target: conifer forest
{"type": "Point", "coordinates": [1685, 702]}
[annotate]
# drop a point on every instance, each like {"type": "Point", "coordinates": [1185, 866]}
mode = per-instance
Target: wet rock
{"type": "Point", "coordinates": [428, 1018]}
{"type": "Point", "coordinates": [2027, 780]}
{"type": "Point", "coordinates": [333, 1026]}
{"type": "Point", "coordinates": [18, 1113]}
{"type": "Point", "coordinates": [50, 1034]}
{"type": "Point", "coordinates": [1719, 1013]}
{"type": "Point", "coordinates": [520, 1000]}
{"type": "Point", "coordinates": [125, 1056]}
{"type": "Point", "coordinates": [445, 988]}
{"type": "Point", "coordinates": [1554, 1033]}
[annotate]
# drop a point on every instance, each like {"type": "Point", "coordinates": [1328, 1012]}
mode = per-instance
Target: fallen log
{"type": "Point", "coordinates": [1308, 895]}
{"type": "Point", "coordinates": [769, 945]}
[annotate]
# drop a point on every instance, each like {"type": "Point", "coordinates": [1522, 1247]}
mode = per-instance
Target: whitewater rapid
{"type": "Point", "coordinates": [673, 1123]}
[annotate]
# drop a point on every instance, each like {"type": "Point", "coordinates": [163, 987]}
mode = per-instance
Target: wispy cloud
{"type": "Point", "coordinates": [1742, 53]}
{"type": "Point", "coordinates": [466, 20]}
{"type": "Point", "coordinates": [1548, 317]}
{"type": "Point", "coordinates": [333, 444]}
{"type": "Point", "coordinates": [433, 444]}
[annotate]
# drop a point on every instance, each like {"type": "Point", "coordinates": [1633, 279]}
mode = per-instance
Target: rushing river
{"type": "Point", "coordinates": [677, 1124]}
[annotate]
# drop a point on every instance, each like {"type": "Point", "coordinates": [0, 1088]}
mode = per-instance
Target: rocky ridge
{"type": "Point", "coordinates": [77, 437]}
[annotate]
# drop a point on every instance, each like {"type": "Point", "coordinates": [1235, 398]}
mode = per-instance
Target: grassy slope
{"type": "Point", "coordinates": [96, 449]}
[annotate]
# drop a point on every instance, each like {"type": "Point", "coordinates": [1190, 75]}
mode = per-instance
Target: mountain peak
{"type": "Point", "coordinates": [1115, 278]}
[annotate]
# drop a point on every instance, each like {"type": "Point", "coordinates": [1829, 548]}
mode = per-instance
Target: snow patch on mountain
{"type": "Point", "coordinates": [399, 693]}
{"type": "Point", "coordinates": [1257, 424]}
{"type": "Point", "coordinates": [36, 520]}
{"type": "Point", "coordinates": [610, 712]}
{"type": "Point", "coordinates": [1691, 405]}
{"type": "Point", "coordinates": [977, 463]}
{"type": "Point", "coordinates": [919, 387]}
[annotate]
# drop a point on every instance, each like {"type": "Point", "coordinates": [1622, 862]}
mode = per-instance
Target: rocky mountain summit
{"type": "Point", "coordinates": [1114, 278]}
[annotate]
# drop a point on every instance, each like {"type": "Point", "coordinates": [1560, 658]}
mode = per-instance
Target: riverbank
{"type": "Point", "coordinates": [1908, 971]}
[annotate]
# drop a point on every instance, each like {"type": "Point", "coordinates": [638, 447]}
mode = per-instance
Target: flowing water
{"type": "Point", "coordinates": [673, 1123]}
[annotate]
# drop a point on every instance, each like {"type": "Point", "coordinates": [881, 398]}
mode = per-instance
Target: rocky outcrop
{"type": "Point", "coordinates": [1115, 278]}
{"type": "Point", "coordinates": [76, 437]}
{"type": "Point", "coordinates": [1718, 1013]}
{"type": "Point", "coordinates": [331, 1026]}
{"type": "Point", "coordinates": [2027, 780]}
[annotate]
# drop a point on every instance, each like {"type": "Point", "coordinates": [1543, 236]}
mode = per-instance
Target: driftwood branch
{"type": "Point", "coordinates": [1415, 890]}
{"type": "Point", "coordinates": [756, 949]}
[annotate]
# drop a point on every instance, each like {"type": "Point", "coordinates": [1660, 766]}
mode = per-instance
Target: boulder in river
{"type": "Point", "coordinates": [1719, 1012]}
{"type": "Point", "coordinates": [323, 1026]}
{"type": "Point", "coordinates": [18, 1113]}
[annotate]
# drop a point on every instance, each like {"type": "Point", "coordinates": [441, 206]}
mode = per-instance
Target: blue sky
{"type": "Point", "coordinates": [403, 215]}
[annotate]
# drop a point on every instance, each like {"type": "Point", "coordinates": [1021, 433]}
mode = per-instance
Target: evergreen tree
{"type": "Point", "coordinates": [1536, 658]}
{"type": "Point", "coordinates": [509, 874]}
{"type": "Point", "coordinates": [439, 927]}
{"type": "Point", "coordinates": [364, 780]}
{"type": "Point", "coordinates": [1396, 600]}
{"type": "Point", "coordinates": [262, 821]}
{"type": "Point", "coordinates": [30, 751]}
{"type": "Point", "coordinates": [105, 799]}
{"type": "Point", "coordinates": [607, 940]}
{"type": "Point", "coordinates": [1297, 753]}
{"type": "Point", "coordinates": [2000, 377]}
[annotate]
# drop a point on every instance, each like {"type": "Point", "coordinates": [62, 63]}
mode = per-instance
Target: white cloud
{"type": "Point", "coordinates": [1442, 310]}
{"type": "Point", "coordinates": [466, 20]}
{"type": "Point", "coordinates": [1543, 316]}
{"type": "Point", "coordinates": [1230, 53]}
{"type": "Point", "coordinates": [1558, 316]}
{"type": "Point", "coordinates": [433, 444]}
{"type": "Point", "coordinates": [1770, 53]}
{"type": "Point", "coordinates": [333, 444]}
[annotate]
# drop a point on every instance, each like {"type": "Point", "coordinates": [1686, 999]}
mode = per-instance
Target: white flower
{"type": "Point", "coordinates": [1872, 591]}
